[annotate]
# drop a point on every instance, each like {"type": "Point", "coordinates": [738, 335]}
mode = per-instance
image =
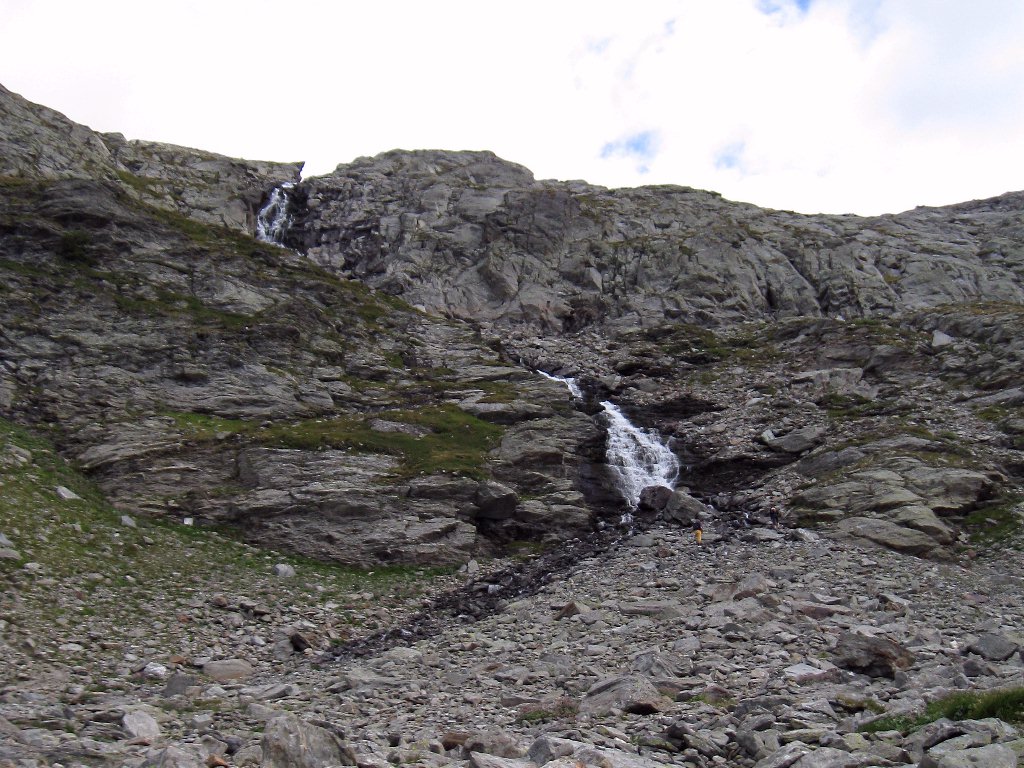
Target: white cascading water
{"type": "Point", "coordinates": [574, 388]}
{"type": "Point", "coordinates": [638, 457]}
{"type": "Point", "coordinates": [273, 218]}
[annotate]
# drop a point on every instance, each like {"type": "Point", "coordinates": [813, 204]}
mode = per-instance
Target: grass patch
{"type": "Point", "coordinates": [1005, 704]}
{"type": "Point", "coordinates": [561, 709]}
{"type": "Point", "coordinates": [701, 346]}
{"type": "Point", "coordinates": [456, 442]}
{"type": "Point", "coordinates": [1000, 523]}
{"type": "Point", "coordinates": [857, 407]}
{"type": "Point", "coordinates": [169, 304]}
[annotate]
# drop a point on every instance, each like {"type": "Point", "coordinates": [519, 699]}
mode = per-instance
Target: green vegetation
{"type": "Point", "coordinates": [1005, 704]}
{"type": "Point", "coordinates": [701, 346]}
{"type": "Point", "coordinates": [119, 574]}
{"type": "Point", "coordinates": [452, 440]}
{"type": "Point", "coordinates": [560, 709]}
{"type": "Point", "coordinates": [998, 524]}
{"type": "Point", "coordinates": [455, 441]}
{"type": "Point", "coordinates": [74, 246]}
{"type": "Point", "coordinates": [169, 304]}
{"type": "Point", "coordinates": [857, 407]}
{"type": "Point", "coordinates": [139, 183]}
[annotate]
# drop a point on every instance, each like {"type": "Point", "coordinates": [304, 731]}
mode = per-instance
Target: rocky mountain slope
{"type": "Point", "coordinates": [477, 237]}
{"type": "Point", "coordinates": [368, 396]}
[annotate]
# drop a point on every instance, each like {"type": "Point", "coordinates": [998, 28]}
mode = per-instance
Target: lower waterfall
{"type": "Point", "coordinates": [639, 458]}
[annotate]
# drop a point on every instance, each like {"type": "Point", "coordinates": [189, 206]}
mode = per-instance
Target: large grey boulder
{"type": "Point", "coordinates": [872, 656]}
{"type": "Point", "coordinates": [796, 441]}
{"type": "Point", "coordinates": [228, 670]}
{"type": "Point", "coordinates": [630, 693]}
{"type": "Point", "coordinates": [289, 742]}
{"type": "Point", "coordinates": [994, 647]}
{"type": "Point", "coordinates": [888, 534]}
{"type": "Point", "coordinates": [987, 756]}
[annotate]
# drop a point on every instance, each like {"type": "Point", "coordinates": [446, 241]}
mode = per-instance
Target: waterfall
{"type": "Point", "coordinates": [273, 218]}
{"type": "Point", "coordinates": [638, 457]}
{"type": "Point", "coordinates": [574, 388]}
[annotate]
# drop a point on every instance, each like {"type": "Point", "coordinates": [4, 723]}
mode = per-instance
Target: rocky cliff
{"type": "Point", "coordinates": [477, 237]}
{"type": "Point", "coordinates": [368, 396]}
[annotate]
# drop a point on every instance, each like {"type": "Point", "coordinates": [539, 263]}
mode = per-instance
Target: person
{"type": "Point", "coordinates": [773, 515]}
{"type": "Point", "coordinates": [698, 530]}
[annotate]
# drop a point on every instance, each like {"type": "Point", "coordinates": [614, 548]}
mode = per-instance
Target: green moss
{"type": "Point", "coordinates": [454, 441]}
{"type": "Point", "coordinates": [139, 183]}
{"type": "Point", "coordinates": [23, 269]}
{"type": "Point", "coordinates": [170, 304]}
{"type": "Point", "coordinates": [203, 427]}
{"type": "Point", "coordinates": [701, 346]}
{"type": "Point", "coordinates": [561, 709]}
{"type": "Point", "coordinates": [75, 245]}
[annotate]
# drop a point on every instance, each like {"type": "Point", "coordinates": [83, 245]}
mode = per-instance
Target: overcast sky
{"type": "Point", "coordinates": [862, 106]}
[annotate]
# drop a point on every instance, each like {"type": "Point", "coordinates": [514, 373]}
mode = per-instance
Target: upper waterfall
{"type": "Point", "coordinates": [273, 218]}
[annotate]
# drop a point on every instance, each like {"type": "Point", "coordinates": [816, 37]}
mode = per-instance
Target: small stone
{"type": "Point", "coordinates": [226, 670]}
{"type": "Point", "coordinates": [284, 571]}
{"type": "Point", "coordinates": [140, 725]}
{"type": "Point", "coordinates": [155, 671]}
{"type": "Point", "coordinates": [67, 494]}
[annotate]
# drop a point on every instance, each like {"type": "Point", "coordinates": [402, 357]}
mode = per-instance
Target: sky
{"type": "Point", "coordinates": [836, 106]}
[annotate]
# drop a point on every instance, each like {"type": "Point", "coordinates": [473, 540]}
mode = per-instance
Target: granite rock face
{"type": "Point", "coordinates": [471, 235]}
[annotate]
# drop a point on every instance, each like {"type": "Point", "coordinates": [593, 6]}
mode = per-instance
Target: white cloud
{"type": "Point", "coordinates": [837, 105]}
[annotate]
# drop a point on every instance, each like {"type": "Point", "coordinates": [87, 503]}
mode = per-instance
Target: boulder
{"type": "Point", "coordinates": [923, 519]}
{"type": "Point", "coordinates": [289, 742]}
{"type": "Point", "coordinates": [872, 656]}
{"type": "Point", "coordinates": [797, 441]}
{"type": "Point", "coordinates": [683, 508]}
{"type": "Point", "coordinates": [654, 498]}
{"type": "Point", "coordinates": [888, 534]}
{"type": "Point", "coordinates": [228, 670]}
{"type": "Point", "coordinates": [630, 693]}
{"type": "Point", "coordinates": [994, 647]}
{"type": "Point", "coordinates": [496, 742]}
